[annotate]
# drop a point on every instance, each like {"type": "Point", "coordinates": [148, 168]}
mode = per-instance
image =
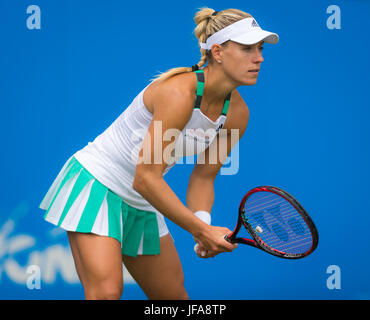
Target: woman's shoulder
{"type": "Point", "coordinates": [182, 85]}
{"type": "Point", "coordinates": [238, 114]}
{"type": "Point", "coordinates": [238, 102]}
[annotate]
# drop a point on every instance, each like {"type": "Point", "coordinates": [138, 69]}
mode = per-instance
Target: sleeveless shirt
{"type": "Point", "coordinates": [112, 156]}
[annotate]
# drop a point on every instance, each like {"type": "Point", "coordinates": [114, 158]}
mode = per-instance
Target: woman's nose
{"type": "Point", "coordinates": [258, 57]}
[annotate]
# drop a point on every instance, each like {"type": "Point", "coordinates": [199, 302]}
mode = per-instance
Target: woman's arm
{"type": "Point", "coordinates": [200, 192]}
{"type": "Point", "coordinates": [172, 110]}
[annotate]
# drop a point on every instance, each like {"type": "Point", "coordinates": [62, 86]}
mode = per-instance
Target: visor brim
{"type": "Point", "coordinates": [255, 36]}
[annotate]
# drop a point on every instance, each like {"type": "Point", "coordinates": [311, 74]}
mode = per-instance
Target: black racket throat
{"type": "Point", "coordinates": [241, 240]}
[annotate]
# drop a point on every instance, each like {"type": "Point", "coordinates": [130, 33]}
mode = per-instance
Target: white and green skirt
{"type": "Point", "coordinates": [76, 201]}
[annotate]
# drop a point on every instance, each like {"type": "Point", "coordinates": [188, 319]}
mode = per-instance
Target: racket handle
{"type": "Point", "coordinates": [230, 238]}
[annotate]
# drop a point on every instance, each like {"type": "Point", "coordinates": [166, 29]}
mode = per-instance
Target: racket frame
{"type": "Point", "coordinates": [257, 242]}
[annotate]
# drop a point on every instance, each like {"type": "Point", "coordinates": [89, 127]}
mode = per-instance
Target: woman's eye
{"type": "Point", "coordinates": [249, 48]}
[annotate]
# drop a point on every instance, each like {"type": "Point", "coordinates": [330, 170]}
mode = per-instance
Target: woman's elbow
{"type": "Point", "coordinates": [138, 182]}
{"type": "Point", "coordinates": [143, 180]}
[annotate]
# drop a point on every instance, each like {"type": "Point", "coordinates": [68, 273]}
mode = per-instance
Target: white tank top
{"type": "Point", "coordinates": [112, 157]}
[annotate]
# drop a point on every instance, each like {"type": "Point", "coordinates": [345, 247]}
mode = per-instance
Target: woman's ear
{"type": "Point", "coordinates": [217, 53]}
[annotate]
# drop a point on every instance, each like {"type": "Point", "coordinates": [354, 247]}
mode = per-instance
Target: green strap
{"type": "Point", "coordinates": [226, 105]}
{"type": "Point", "coordinates": [200, 90]}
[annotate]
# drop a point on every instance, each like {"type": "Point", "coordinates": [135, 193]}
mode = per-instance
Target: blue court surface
{"type": "Point", "coordinates": [67, 76]}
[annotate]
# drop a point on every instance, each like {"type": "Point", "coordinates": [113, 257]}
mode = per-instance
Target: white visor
{"type": "Point", "coordinates": [245, 31]}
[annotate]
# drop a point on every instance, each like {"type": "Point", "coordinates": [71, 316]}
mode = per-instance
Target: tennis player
{"type": "Point", "coordinates": [111, 196]}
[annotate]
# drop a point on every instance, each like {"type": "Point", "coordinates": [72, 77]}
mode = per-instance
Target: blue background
{"type": "Point", "coordinates": [308, 133]}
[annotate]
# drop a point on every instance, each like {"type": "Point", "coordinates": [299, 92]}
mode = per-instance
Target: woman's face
{"type": "Point", "coordinates": [242, 62]}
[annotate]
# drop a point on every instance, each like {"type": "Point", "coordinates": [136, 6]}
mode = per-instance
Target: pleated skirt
{"type": "Point", "coordinates": [76, 201]}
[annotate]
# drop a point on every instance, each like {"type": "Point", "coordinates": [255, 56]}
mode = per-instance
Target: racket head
{"type": "Point", "coordinates": [277, 223]}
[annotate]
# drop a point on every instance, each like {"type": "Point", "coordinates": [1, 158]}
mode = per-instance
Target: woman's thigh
{"type": "Point", "coordinates": [160, 276]}
{"type": "Point", "coordinates": [98, 263]}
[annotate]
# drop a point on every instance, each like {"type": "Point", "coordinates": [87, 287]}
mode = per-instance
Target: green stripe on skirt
{"type": "Point", "coordinates": [129, 225]}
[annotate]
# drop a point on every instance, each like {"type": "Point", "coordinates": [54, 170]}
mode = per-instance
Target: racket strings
{"type": "Point", "coordinates": [281, 225]}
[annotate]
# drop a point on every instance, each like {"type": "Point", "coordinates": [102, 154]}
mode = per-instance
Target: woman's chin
{"type": "Point", "coordinates": [250, 82]}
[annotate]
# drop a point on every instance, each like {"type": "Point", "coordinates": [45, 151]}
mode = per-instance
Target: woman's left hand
{"type": "Point", "coordinates": [203, 252]}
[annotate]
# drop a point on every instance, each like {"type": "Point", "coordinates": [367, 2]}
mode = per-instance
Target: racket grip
{"type": "Point", "coordinates": [230, 238]}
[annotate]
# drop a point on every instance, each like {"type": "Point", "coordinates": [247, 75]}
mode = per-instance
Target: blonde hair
{"type": "Point", "coordinates": [208, 22]}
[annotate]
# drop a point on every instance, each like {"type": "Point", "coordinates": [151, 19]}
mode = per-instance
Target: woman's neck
{"type": "Point", "coordinates": [216, 87]}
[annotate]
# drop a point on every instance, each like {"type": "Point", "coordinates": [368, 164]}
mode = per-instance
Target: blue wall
{"type": "Point", "coordinates": [63, 84]}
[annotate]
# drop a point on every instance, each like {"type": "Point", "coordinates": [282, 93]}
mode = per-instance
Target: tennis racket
{"type": "Point", "coordinates": [277, 223]}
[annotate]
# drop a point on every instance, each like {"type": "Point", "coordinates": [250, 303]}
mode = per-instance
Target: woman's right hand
{"type": "Point", "coordinates": [212, 242]}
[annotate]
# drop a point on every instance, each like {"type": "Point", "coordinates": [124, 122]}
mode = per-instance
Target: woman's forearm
{"type": "Point", "coordinates": [200, 194]}
{"type": "Point", "coordinates": [158, 193]}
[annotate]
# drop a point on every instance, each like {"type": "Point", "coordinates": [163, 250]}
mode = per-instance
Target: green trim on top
{"type": "Point", "coordinates": [200, 82]}
{"type": "Point", "coordinates": [226, 105]}
{"type": "Point", "coordinates": [200, 89]}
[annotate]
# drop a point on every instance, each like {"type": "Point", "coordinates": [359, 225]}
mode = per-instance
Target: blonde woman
{"type": "Point", "coordinates": [111, 196]}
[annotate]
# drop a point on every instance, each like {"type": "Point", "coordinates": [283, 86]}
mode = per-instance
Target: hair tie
{"type": "Point", "coordinates": [214, 13]}
{"type": "Point", "coordinates": [195, 67]}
